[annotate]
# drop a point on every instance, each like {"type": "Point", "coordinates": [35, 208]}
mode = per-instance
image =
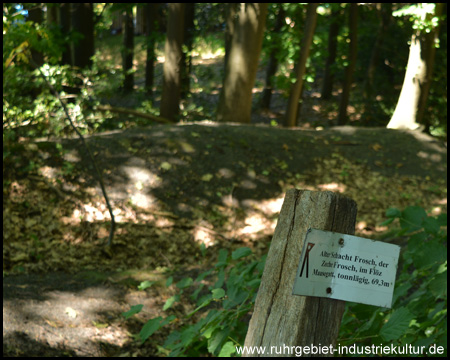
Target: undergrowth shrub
{"type": "Point", "coordinates": [227, 302]}
{"type": "Point", "coordinates": [419, 308]}
{"type": "Point", "coordinates": [418, 316]}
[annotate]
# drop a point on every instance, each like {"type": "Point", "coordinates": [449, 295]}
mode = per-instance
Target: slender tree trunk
{"type": "Point", "coordinates": [410, 108]}
{"type": "Point", "coordinates": [64, 20]}
{"type": "Point", "coordinates": [385, 13]}
{"type": "Point", "coordinates": [52, 14]}
{"type": "Point", "coordinates": [35, 15]}
{"type": "Point", "coordinates": [83, 22]}
{"type": "Point", "coordinates": [170, 99]}
{"type": "Point", "coordinates": [128, 50]}
{"type": "Point", "coordinates": [353, 28]}
{"type": "Point", "coordinates": [370, 113]}
{"type": "Point", "coordinates": [428, 53]}
{"type": "Point", "coordinates": [188, 42]}
{"type": "Point", "coordinates": [150, 11]}
{"type": "Point", "coordinates": [328, 78]}
{"type": "Point", "coordinates": [273, 60]}
{"type": "Point", "coordinates": [235, 103]}
{"type": "Point", "coordinates": [296, 89]}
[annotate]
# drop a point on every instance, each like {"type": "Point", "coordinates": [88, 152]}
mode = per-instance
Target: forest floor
{"type": "Point", "coordinates": [173, 188]}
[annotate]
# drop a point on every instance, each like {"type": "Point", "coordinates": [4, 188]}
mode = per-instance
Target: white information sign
{"type": "Point", "coordinates": [347, 267]}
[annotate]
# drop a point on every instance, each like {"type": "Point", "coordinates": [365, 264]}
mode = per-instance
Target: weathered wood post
{"type": "Point", "coordinates": [280, 318]}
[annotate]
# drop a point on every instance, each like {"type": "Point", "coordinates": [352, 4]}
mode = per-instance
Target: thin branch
{"type": "Point", "coordinates": [98, 173]}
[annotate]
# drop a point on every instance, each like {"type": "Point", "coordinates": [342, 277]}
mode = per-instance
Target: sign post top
{"type": "Point", "coordinates": [347, 267]}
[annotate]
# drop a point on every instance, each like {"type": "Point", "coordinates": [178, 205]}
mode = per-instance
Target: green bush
{"type": "Point", "coordinates": [225, 304]}
{"type": "Point", "coordinates": [419, 313]}
{"type": "Point", "coordinates": [418, 316]}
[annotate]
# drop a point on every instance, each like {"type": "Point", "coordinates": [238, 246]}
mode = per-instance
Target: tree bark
{"type": "Point", "coordinates": [188, 42]}
{"type": "Point", "coordinates": [428, 53]}
{"type": "Point", "coordinates": [170, 99]}
{"type": "Point", "coordinates": [230, 19]}
{"type": "Point", "coordinates": [296, 89]}
{"type": "Point", "coordinates": [128, 51]}
{"type": "Point", "coordinates": [64, 21]}
{"type": "Point", "coordinates": [273, 60]}
{"type": "Point", "coordinates": [235, 101]}
{"type": "Point", "coordinates": [150, 21]}
{"type": "Point", "coordinates": [385, 14]}
{"type": "Point", "coordinates": [83, 22]}
{"type": "Point", "coordinates": [283, 319]}
{"type": "Point", "coordinates": [349, 70]}
{"type": "Point", "coordinates": [328, 78]}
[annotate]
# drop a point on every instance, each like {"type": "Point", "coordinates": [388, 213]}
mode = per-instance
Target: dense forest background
{"type": "Point", "coordinates": [147, 149]}
{"type": "Point", "coordinates": [355, 55]}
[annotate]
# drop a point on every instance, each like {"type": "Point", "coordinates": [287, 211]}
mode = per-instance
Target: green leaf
{"type": "Point", "coordinates": [218, 293]}
{"type": "Point", "coordinates": [393, 213]}
{"type": "Point", "coordinates": [438, 285]}
{"type": "Point", "coordinates": [397, 324]}
{"type": "Point", "coordinates": [442, 219]}
{"type": "Point", "coordinates": [149, 328]}
{"type": "Point", "coordinates": [217, 338]}
{"type": "Point", "coordinates": [167, 320]}
{"type": "Point", "coordinates": [205, 302]}
{"type": "Point", "coordinates": [220, 279]}
{"type": "Point", "coordinates": [145, 284]}
{"type": "Point", "coordinates": [431, 225]}
{"type": "Point", "coordinates": [412, 218]}
{"type": "Point", "coordinates": [223, 255]}
{"type": "Point", "coordinates": [387, 222]}
{"type": "Point", "coordinates": [184, 283]}
{"type": "Point", "coordinates": [429, 254]}
{"type": "Point", "coordinates": [134, 310]}
{"type": "Point", "coordinates": [223, 258]}
{"type": "Point", "coordinates": [169, 281]}
{"type": "Point", "coordinates": [170, 301]}
{"type": "Point", "coordinates": [227, 349]}
{"type": "Point", "coordinates": [240, 253]}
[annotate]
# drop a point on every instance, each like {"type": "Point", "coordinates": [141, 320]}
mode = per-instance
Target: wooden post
{"type": "Point", "coordinates": [280, 318]}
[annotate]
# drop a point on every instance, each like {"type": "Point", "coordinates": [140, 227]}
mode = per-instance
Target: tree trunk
{"type": "Point", "coordinates": [280, 318]}
{"type": "Point", "coordinates": [64, 20]}
{"type": "Point", "coordinates": [35, 15]}
{"type": "Point", "coordinates": [296, 89]}
{"type": "Point", "coordinates": [151, 10]}
{"type": "Point", "coordinates": [385, 14]}
{"type": "Point", "coordinates": [128, 50]}
{"type": "Point", "coordinates": [428, 53]}
{"type": "Point", "coordinates": [83, 22]}
{"type": "Point", "coordinates": [235, 102]}
{"type": "Point", "coordinates": [188, 42]}
{"type": "Point", "coordinates": [328, 78]}
{"type": "Point", "coordinates": [410, 108]}
{"type": "Point", "coordinates": [230, 19]}
{"type": "Point", "coordinates": [348, 80]}
{"type": "Point", "coordinates": [170, 99]}
{"type": "Point", "coordinates": [273, 60]}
